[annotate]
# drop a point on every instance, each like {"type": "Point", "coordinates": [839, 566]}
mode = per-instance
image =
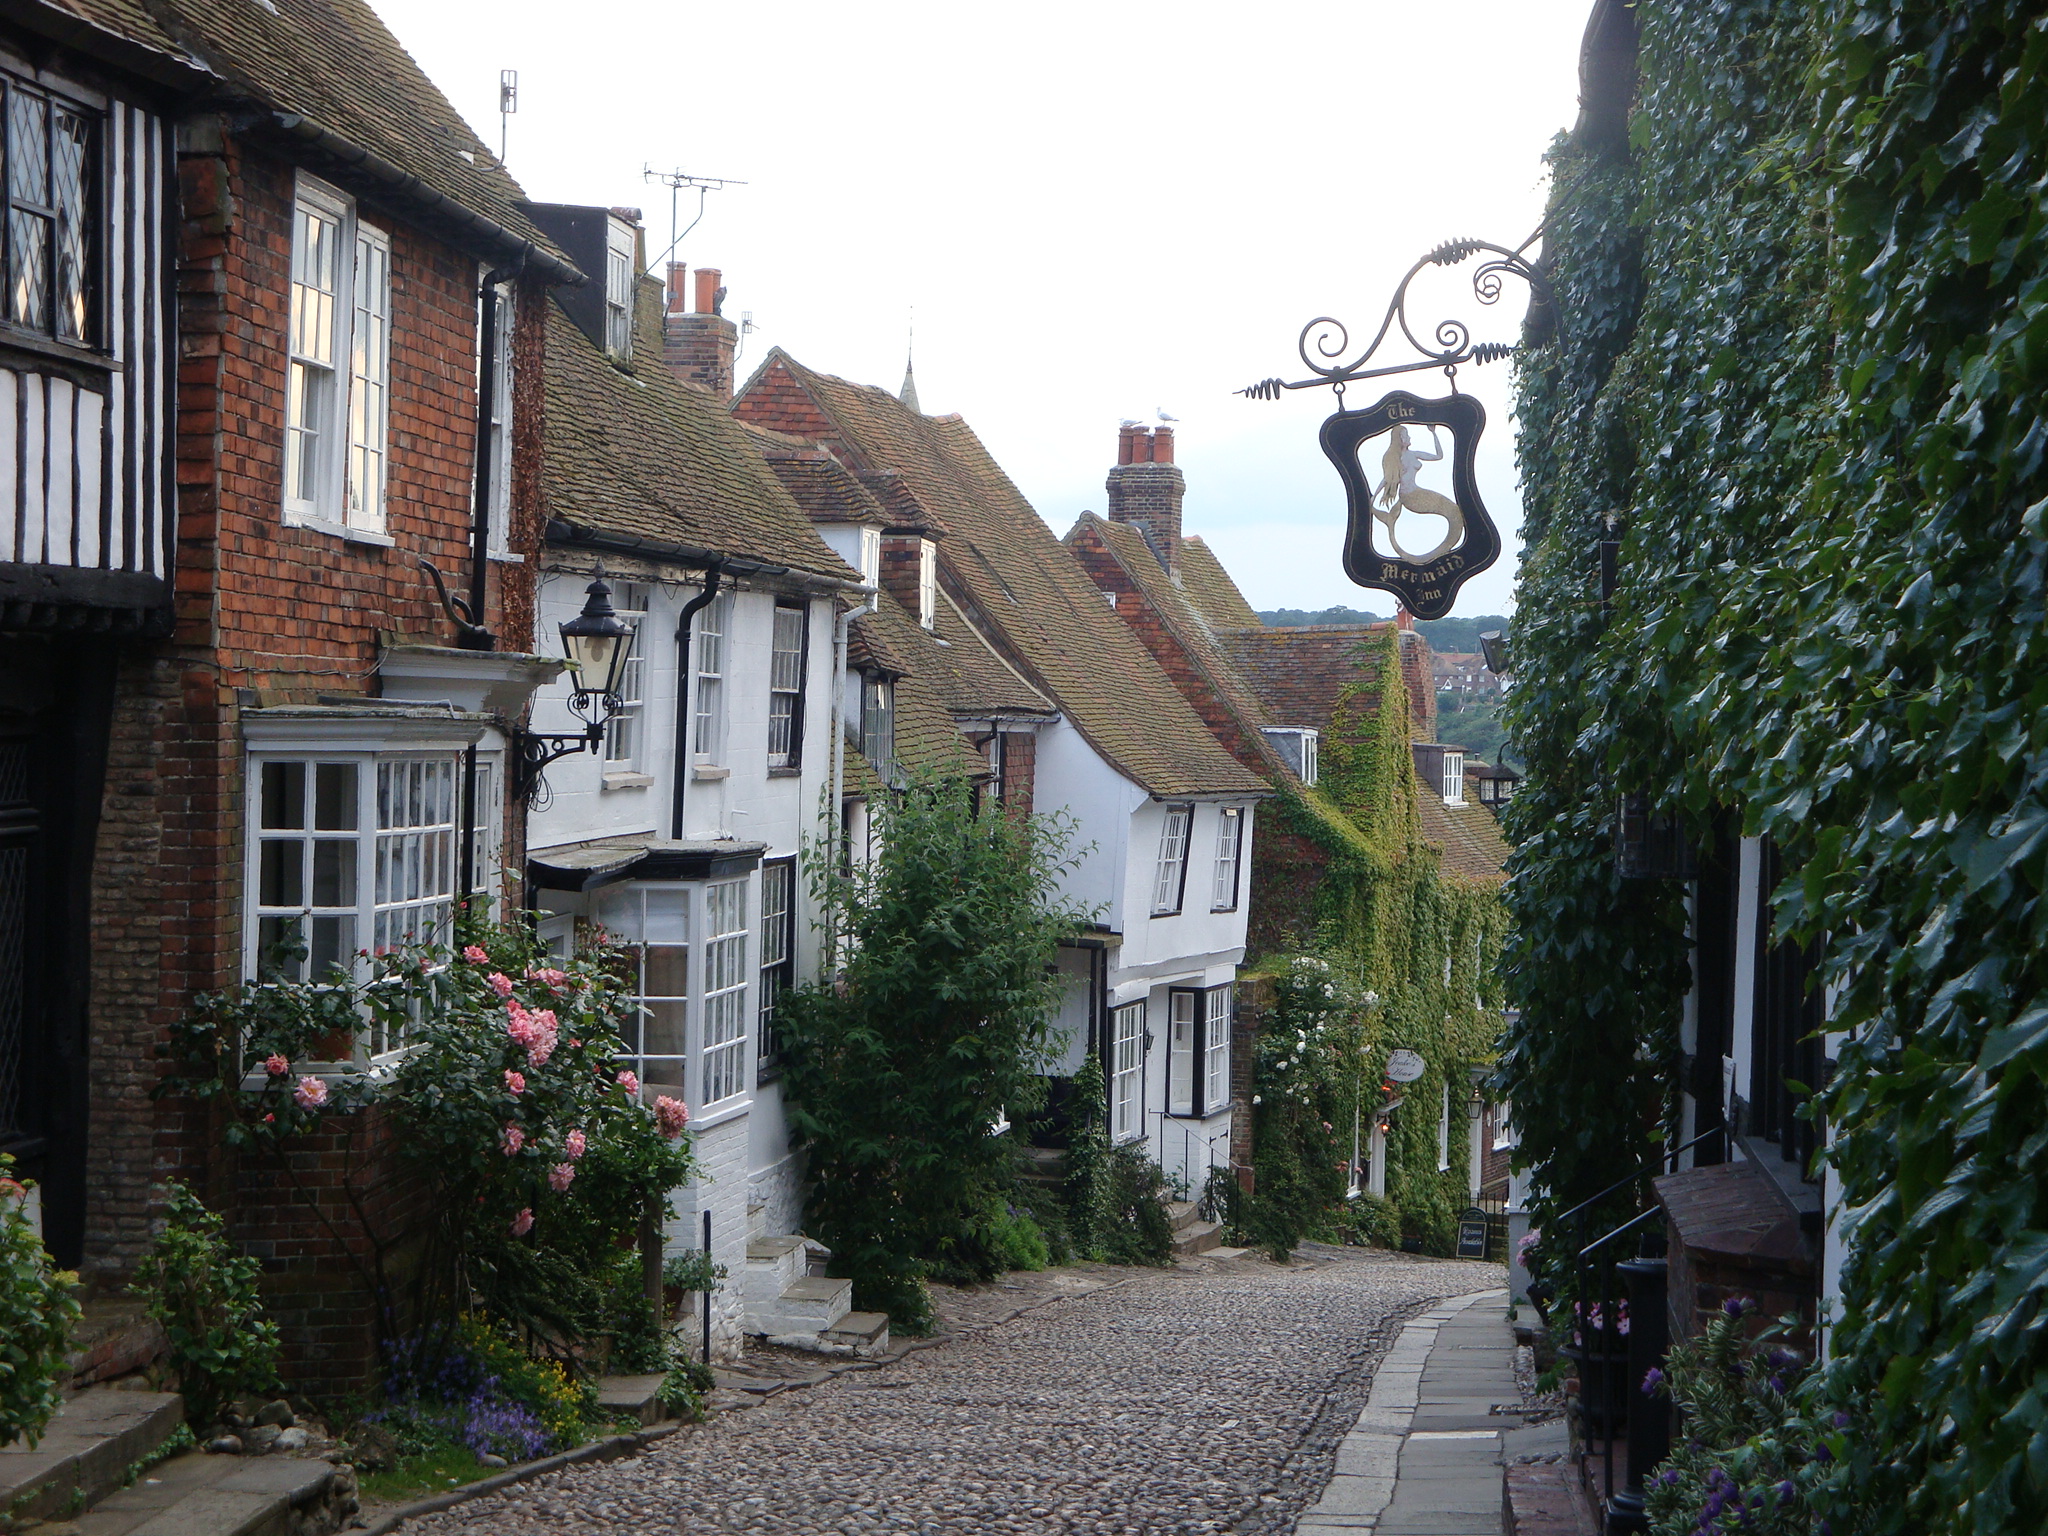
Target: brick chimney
{"type": "Point", "coordinates": [699, 345]}
{"type": "Point", "coordinates": [1146, 487]}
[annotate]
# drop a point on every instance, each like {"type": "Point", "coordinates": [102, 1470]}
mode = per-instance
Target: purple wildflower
{"type": "Point", "coordinates": [1652, 1380]}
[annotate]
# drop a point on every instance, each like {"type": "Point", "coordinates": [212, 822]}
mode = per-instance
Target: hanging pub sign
{"type": "Point", "coordinates": [1418, 528]}
{"type": "Point", "coordinates": [1407, 537]}
{"type": "Point", "coordinates": [1404, 1066]}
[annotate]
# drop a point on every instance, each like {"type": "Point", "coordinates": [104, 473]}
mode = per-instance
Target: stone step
{"type": "Point", "coordinates": [805, 1306]}
{"type": "Point", "coordinates": [1042, 1165]}
{"type": "Point", "coordinates": [1199, 1237]}
{"type": "Point", "coordinates": [1183, 1214]}
{"type": "Point", "coordinates": [95, 1437]}
{"type": "Point", "coordinates": [865, 1334]}
{"type": "Point", "coordinates": [113, 1338]}
{"type": "Point", "coordinates": [631, 1397]}
{"type": "Point", "coordinates": [200, 1495]}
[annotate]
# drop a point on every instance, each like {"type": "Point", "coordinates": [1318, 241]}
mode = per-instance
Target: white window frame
{"type": "Point", "coordinates": [654, 915]}
{"type": "Point", "coordinates": [725, 1024]}
{"type": "Point", "coordinates": [348, 432]}
{"type": "Point", "coordinates": [1170, 873]}
{"type": "Point", "coordinates": [619, 275]}
{"type": "Point", "coordinates": [878, 721]}
{"type": "Point", "coordinates": [786, 668]}
{"type": "Point", "coordinates": [1311, 757]}
{"type": "Point", "coordinates": [1183, 1024]}
{"type": "Point", "coordinates": [1229, 859]}
{"type": "Point", "coordinates": [1127, 1072]}
{"type": "Point", "coordinates": [927, 583]}
{"type": "Point", "coordinates": [500, 446]}
{"type": "Point", "coordinates": [778, 954]}
{"type": "Point", "coordinates": [1216, 1009]}
{"type": "Point", "coordinates": [625, 731]}
{"type": "Point", "coordinates": [1504, 1136]}
{"type": "Point", "coordinates": [708, 660]}
{"type": "Point", "coordinates": [403, 814]}
{"type": "Point", "coordinates": [1454, 778]}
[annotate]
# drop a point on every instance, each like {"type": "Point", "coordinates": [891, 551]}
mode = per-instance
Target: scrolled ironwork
{"type": "Point", "coordinates": [1325, 340]}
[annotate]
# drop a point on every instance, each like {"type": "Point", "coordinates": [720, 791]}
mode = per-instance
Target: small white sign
{"type": "Point", "coordinates": [1404, 1066]}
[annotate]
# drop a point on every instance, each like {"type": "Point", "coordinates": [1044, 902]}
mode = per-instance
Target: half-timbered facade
{"type": "Point", "coordinates": [88, 376]}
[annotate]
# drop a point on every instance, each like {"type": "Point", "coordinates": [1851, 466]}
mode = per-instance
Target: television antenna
{"type": "Point", "coordinates": [677, 182]}
{"type": "Point", "coordinates": [508, 103]}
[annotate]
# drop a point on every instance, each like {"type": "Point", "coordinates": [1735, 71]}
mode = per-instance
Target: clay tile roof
{"type": "Point", "coordinates": [981, 682]}
{"type": "Point", "coordinates": [1190, 628]}
{"type": "Point", "coordinates": [1209, 588]}
{"type": "Point", "coordinates": [927, 740]}
{"type": "Point", "coordinates": [1024, 584]}
{"type": "Point", "coordinates": [639, 455]}
{"type": "Point", "coordinates": [821, 486]}
{"type": "Point", "coordinates": [1467, 835]}
{"type": "Point", "coordinates": [334, 65]}
{"type": "Point", "coordinates": [1300, 672]}
{"type": "Point", "coordinates": [126, 19]}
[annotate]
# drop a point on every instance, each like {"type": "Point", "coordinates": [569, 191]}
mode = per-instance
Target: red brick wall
{"type": "Point", "coordinates": [265, 614]}
{"type": "Point", "coordinates": [900, 561]}
{"type": "Point", "coordinates": [774, 399]}
{"type": "Point", "coordinates": [314, 1215]}
{"type": "Point", "coordinates": [1020, 770]}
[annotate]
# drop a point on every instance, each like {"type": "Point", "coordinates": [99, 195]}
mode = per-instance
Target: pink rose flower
{"type": "Point", "coordinates": [671, 1115]}
{"type": "Point", "coordinates": [523, 1222]}
{"type": "Point", "coordinates": [561, 1176]}
{"type": "Point", "coordinates": [475, 953]}
{"type": "Point", "coordinates": [515, 1082]}
{"type": "Point", "coordinates": [269, 1119]}
{"type": "Point", "coordinates": [499, 983]}
{"type": "Point", "coordinates": [512, 1138]}
{"type": "Point", "coordinates": [575, 1143]}
{"type": "Point", "coordinates": [630, 1083]}
{"type": "Point", "coordinates": [276, 1065]}
{"type": "Point", "coordinates": [311, 1093]}
{"type": "Point", "coordinates": [557, 980]}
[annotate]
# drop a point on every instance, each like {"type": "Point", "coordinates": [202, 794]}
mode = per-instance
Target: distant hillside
{"type": "Point", "coordinates": [1455, 634]}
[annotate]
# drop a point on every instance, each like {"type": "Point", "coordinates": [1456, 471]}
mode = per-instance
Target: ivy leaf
{"type": "Point", "coordinates": [2022, 1034]}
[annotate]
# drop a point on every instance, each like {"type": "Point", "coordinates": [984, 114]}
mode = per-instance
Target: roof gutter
{"type": "Point", "coordinates": [561, 531]}
{"type": "Point", "coordinates": [404, 184]}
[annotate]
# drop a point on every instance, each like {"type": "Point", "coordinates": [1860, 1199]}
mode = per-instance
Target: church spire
{"type": "Point", "coordinates": [908, 393]}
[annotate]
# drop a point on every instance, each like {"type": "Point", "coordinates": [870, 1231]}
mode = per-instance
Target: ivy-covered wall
{"type": "Point", "coordinates": [1412, 951]}
{"type": "Point", "coordinates": [1799, 368]}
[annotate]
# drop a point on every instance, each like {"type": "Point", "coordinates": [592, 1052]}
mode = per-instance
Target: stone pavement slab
{"type": "Point", "coordinates": [1429, 1423]}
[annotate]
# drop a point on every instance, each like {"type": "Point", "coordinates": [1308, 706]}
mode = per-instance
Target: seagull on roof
{"type": "Point", "coordinates": [1161, 414]}
{"type": "Point", "coordinates": [1128, 421]}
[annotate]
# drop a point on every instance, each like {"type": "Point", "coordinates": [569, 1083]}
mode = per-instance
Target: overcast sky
{"type": "Point", "coordinates": [1097, 211]}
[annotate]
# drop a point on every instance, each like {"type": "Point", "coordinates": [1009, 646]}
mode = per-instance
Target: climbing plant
{"type": "Point", "coordinates": [1392, 950]}
{"type": "Point", "coordinates": [1799, 370]}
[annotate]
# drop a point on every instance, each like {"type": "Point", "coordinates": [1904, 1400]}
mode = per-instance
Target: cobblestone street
{"type": "Point", "coordinates": [1209, 1397]}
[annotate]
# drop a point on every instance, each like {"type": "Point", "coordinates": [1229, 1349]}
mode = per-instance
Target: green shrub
{"type": "Point", "coordinates": [1115, 1195]}
{"type": "Point", "coordinates": [936, 1027]}
{"type": "Point", "coordinates": [1366, 1221]}
{"type": "Point", "coordinates": [684, 1389]}
{"type": "Point", "coordinates": [1017, 1240]}
{"type": "Point", "coordinates": [37, 1314]}
{"type": "Point", "coordinates": [205, 1295]}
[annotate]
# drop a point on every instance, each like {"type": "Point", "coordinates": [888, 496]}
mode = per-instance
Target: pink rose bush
{"type": "Point", "coordinates": [671, 1115]}
{"type": "Point", "coordinates": [574, 1144]}
{"type": "Point", "coordinates": [561, 1176]}
{"type": "Point", "coordinates": [276, 1065]}
{"type": "Point", "coordinates": [476, 954]}
{"type": "Point", "coordinates": [523, 1222]}
{"type": "Point", "coordinates": [499, 983]}
{"type": "Point", "coordinates": [630, 1082]}
{"type": "Point", "coordinates": [310, 1094]}
{"type": "Point", "coordinates": [515, 1082]}
{"type": "Point", "coordinates": [512, 1138]}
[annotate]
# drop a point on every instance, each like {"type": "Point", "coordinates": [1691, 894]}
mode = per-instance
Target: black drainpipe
{"type": "Point", "coordinates": [712, 575]}
{"type": "Point", "coordinates": [477, 637]}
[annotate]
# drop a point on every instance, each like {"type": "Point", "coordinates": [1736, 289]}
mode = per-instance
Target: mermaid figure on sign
{"type": "Point", "coordinates": [1399, 493]}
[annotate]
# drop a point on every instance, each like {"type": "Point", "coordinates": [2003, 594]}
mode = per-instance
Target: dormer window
{"type": "Point", "coordinates": [878, 722]}
{"type": "Point", "coordinates": [1299, 748]}
{"type": "Point", "coordinates": [1454, 777]}
{"type": "Point", "coordinates": [618, 289]}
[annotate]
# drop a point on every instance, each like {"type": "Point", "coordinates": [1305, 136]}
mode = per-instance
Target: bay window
{"type": "Point", "coordinates": [1126, 1072]}
{"type": "Point", "coordinates": [338, 368]}
{"type": "Point", "coordinates": [652, 924]}
{"type": "Point", "coordinates": [1198, 1051]}
{"type": "Point", "coordinates": [725, 991]}
{"type": "Point", "coordinates": [53, 219]}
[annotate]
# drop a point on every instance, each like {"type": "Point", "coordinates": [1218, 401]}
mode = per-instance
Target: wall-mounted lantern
{"type": "Point", "coordinates": [596, 642]}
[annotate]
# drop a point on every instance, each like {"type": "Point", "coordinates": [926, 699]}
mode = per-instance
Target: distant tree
{"type": "Point", "coordinates": [1458, 633]}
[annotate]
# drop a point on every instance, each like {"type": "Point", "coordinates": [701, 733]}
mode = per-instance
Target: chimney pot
{"type": "Point", "coordinates": [699, 348]}
{"type": "Point", "coordinates": [1162, 446]}
{"type": "Point", "coordinates": [707, 290]}
{"type": "Point", "coordinates": [1124, 447]}
{"type": "Point", "coordinates": [677, 302]}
